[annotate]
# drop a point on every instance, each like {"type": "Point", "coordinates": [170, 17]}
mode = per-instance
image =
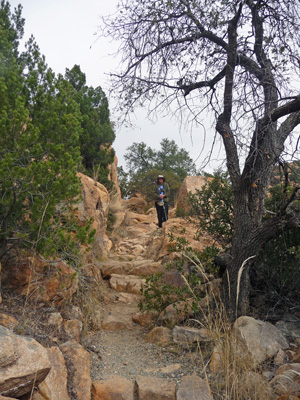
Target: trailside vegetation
{"type": "Point", "coordinates": [238, 60]}
{"type": "Point", "coordinates": [145, 164]}
{"type": "Point", "coordinates": [41, 135]}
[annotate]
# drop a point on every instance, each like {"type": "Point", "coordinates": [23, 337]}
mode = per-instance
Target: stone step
{"type": "Point", "coordinates": [126, 283]}
{"type": "Point", "coordinates": [116, 387]}
{"type": "Point", "coordinates": [137, 268]}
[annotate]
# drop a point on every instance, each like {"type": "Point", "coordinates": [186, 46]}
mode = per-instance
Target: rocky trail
{"type": "Point", "coordinates": [70, 337]}
{"type": "Point", "coordinates": [125, 348]}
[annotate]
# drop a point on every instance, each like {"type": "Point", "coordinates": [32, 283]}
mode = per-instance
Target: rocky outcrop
{"type": "Point", "coordinates": [136, 204]}
{"type": "Point", "coordinates": [94, 203]}
{"type": "Point", "coordinates": [113, 176]}
{"type": "Point", "coordinates": [190, 185]}
{"type": "Point", "coordinates": [24, 363]}
{"type": "Point", "coordinates": [41, 281]}
{"type": "Point", "coordinates": [257, 341]}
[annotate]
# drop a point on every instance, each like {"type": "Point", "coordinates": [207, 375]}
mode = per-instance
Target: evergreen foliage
{"type": "Point", "coordinates": [41, 129]}
{"type": "Point", "coordinates": [97, 134]}
{"type": "Point", "coordinates": [145, 164]}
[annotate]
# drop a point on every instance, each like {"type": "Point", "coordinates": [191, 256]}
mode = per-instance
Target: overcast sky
{"type": "Point", "coordinates": [65, 31]}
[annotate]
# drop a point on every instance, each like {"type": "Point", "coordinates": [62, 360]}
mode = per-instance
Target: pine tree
{"type": "Point", "coordinates": [40, 126]}
{"type": "Point", "coordinates": [97, 134]}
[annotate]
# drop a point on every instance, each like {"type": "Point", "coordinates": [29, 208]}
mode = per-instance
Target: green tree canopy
{"type": "Point", "coordinates": [141, 158]}
{"type": "Point", "coordinates": [97, 134]}
{"type": "Point", "coordinates": [40, 127]}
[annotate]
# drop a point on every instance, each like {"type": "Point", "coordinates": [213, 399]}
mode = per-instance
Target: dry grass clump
{"type": "Point", "coordinates": [89, 297]}
{"type": "Point", "coordinates": [228, 377]}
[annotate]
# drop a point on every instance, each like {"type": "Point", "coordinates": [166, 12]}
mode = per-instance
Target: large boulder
{"type": "Point", "coordinates": [24, 363]}
{"type": "Point", "coordinates": [113, 388]}
{"type": "Point", "coordinates": [257, 341]}
{"type": "Point", "coordinates": [94, 203]}
{"type": "Point", "coordinates": [190, 185]}
{"type": "Point", "coordinates": [54, 387]}
{"type": "Point", "coordinates": [78, 363]}
{"type": "Point", "coordinates": [149, 388]}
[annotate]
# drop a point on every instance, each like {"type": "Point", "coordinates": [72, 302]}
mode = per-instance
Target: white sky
{"type": "Point", "coordinates": [65, 31]}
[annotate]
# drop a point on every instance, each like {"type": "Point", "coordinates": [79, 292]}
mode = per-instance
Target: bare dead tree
{"type": "Point", "coordinates": [240, 59]}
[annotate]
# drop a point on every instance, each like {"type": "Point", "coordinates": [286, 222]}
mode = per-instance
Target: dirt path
{"type": "Point", "coordinates": [122, 351]}
{"type": "Point", "coordinates": [126, 353]}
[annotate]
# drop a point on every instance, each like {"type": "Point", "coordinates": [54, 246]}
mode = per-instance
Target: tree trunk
{"type": "Point", "coordinates": [250, 234]}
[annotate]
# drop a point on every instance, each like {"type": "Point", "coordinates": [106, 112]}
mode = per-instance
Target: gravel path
{"type": "Point", "coordinates": [125, 353]}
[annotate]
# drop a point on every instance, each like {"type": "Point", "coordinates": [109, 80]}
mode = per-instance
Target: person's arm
{"type": "Point", "coordinates": [167, 192]}
{"type": "Point", "coordinates": [155, 195]}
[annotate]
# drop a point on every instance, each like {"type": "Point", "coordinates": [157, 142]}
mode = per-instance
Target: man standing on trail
{"type": "Point", "coordinates": [161, 196]}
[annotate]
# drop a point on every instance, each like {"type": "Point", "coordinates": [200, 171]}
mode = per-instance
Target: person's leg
{"type": "Point", "coordinates": [159, 214]}
{"type": "Point", "coordinates": [166, 211]}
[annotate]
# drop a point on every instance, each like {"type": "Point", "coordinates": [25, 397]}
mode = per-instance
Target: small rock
{"type": "Point", "coordinates": [187, 336]}
{"type": "Point", "coordinates": [8, 321]}
{"type": "Point", "coordinates": [175, 313]}
{"type": "Point", "coordinates": [116, 323]}
{"type": "Point", "coordinates": [217, 360]}
{"type": "Point", "coordinates": [170, 369]}
{"type": "Point", "coordinates": [72, 329]}
{"type": "Point", "coordinates": [160, 335]}
{"type": "Point", "coordinates": [149, 388]}
{"type": "Point", "coordinates": [268, 375]}
{"type": "Point", "coordinates": [113, 388]}
{"type": "Point", "coordinates": [193, 388]}
{"type": "Point", "coordinates": [143, 319]}
{"type": "Point", "coordinates": [96, 320]}
{"type": "Point", "coordinates": [287, 379]}
{"type": "Point", "coordinates": [280, 358]}
{"type": "Point", "coordinates": [55, 319]}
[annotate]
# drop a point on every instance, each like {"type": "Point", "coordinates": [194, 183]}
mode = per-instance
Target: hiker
{"type": "Point", "coordinates": [161, 196]}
